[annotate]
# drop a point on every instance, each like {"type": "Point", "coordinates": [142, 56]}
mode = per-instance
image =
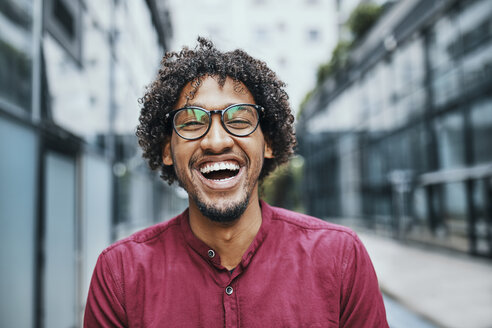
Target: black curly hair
{"type": "Point", "coordinates": [178, 69]}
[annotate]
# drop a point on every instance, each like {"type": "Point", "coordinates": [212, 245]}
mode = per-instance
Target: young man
{"type": "Point", "coordinates": [218, 123]}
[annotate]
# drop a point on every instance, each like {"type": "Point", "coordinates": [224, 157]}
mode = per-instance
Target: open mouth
{"type": "Point", "coordinates": [219, 171]}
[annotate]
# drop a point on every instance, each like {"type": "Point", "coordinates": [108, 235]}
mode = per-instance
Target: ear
{"type": "Point", "coordinates": [167, 158]}
{"type": "Point", "coordinates": [268, 151]}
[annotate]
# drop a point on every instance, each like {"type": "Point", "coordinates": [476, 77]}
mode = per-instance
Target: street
{"type": "Point", "coordinates": [400, 317]}
{"type": "Point", "coordinates": [452, 290]}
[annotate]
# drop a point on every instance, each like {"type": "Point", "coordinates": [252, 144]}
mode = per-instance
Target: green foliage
{"type": "Point", "coordinates": [339, 60]}
{"type": "Point", "coordinates": [360, 21]}
{"type": "Point", "coordinates": [324, 70]}
{"type": "Point", "coordinates": [283, 186]}
{"type": "Point", "coordinates": [363, 18]}
{"type": "Point", "coordinates": [304, 102]}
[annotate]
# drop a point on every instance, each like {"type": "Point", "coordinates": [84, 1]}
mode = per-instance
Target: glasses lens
{"type": "Point", "coordinates": [191, 123]}
{"type": "Point", "coordinates": [241, 120]}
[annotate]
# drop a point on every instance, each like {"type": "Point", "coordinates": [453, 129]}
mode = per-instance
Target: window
{"type": "Point", "coordinates": [17, 224]}
{"type": "Point", "coordinates": [282, 62]}
{"type": "Point", "coordinates": [450, 143]}
{"type": "Point", "coordinates": [313, 35]}
{"type": "Point", "coordinates": [482, 225]}
{"type": "Point", "coordinates": [454, 215]}
{"type": "Point", "coordinates": [59, 278]}
{"type": "Point", "coordinates": [481, 127]}
{"type": "Point", "coordinates": [261, 35]}
{"type": "Point", "coordinates": [281, 26]}
{"type": "Point", "coordinates": [15, 55]}
{"type": "Point", "coordinates": [63, 19]}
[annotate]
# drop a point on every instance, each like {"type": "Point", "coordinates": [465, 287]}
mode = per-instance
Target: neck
{"type": "Point", "coordinates": [230, 240]}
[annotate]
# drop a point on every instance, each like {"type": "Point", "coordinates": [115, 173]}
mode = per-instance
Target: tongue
{"type": "Point", "coordinates": [219, 175]}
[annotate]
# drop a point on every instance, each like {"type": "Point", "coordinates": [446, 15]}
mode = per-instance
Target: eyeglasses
{"type": "Point", "coordinates": [192, 122]}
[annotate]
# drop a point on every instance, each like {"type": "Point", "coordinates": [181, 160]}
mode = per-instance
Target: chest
{"type": "Point", "coordinates": [284, 291]}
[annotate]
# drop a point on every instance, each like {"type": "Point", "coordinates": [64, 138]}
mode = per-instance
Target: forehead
{"type": "Point", "coordinates": [209, 94]}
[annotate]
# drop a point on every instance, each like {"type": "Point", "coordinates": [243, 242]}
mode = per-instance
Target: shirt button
{"type": "Point", "coordinates": [211, 253]}
{"type": "Point", "coordinates": [229, 290]}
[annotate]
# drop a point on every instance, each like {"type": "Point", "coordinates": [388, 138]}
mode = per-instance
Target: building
{"type": "Point", "coordinates": [293, 37]}
{"type": "Point", "coordinates": [71, 177]}
{"type": "Point", "coordinates": [401, 138]}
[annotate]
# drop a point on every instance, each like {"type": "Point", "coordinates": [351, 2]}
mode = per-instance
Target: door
{"type": "Point", "coordinates": [59, 274]}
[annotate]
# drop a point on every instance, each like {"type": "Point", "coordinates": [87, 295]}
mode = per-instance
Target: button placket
{"type": "Point", "coordinates": [230, 306]}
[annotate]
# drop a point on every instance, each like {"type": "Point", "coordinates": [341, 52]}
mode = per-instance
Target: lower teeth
{"type": "Point", "coordinates": [225, 179]}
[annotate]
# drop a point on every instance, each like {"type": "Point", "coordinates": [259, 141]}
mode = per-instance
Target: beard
{"type": "Point", "coordinates": [230, 213]}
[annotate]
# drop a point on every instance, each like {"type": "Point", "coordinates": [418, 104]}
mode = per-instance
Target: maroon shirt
{"type": "Point", "coordinates": [299, 271]}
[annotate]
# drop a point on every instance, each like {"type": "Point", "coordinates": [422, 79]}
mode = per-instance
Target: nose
{"type": "Point", "coordinates": [217, 139]}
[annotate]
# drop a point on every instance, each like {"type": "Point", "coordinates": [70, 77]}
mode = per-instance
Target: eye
{"type": "Point", "coordinates": [239, 124]}
{"type": "Point", "coordinates": [241, 117]}
{"type": "Point", "coordinates": [191, 125]}
{"type": "Point", "coordinates": [190, 119]}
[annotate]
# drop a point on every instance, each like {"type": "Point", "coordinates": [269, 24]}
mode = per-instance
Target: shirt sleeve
{"type": "Point", "coordinates": [361, 300]}
{"type": "Point", "coordinates": [104, 307]}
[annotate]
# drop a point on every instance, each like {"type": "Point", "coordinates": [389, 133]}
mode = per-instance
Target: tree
{"type": "Point", "coordinates": [363, 18]}
{"type": "Point", "coordinates": [339, 60]}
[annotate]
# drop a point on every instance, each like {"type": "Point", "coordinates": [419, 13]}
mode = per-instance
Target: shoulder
{"type": "Point", "coordinates": [148, 238]}
{"type": "Point", "coordinates": [309, 223]}
{"type": "Point", "coordinates": [327, 249]}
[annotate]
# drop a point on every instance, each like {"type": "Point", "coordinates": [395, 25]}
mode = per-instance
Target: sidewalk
{"type": "Point", "coordinates": [451, 290]}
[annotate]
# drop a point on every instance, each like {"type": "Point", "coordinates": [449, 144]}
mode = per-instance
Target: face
{"type": "Point", "coordinates": [219, 171]}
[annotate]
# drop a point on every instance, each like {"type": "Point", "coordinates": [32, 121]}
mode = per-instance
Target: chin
{"type": "Point", "coordinates": [226, 213]}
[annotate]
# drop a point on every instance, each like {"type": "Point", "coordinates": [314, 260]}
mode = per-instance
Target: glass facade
{"type": "Point", "coordinates": [18, 192]}
{"type": "Point", "coordinates": [421, 118]}
{"type": "Point", "coordinates": [450, 140]}
{"type": "Point", "coordinates": [16, 21]}
{"type": "Point", "coordinates": [69, 90]}
{"type": "Point", "coordinates": [96, 215]}
{"type": "Point", "coordinates": [59, 297]}
{"type": "Point", "coordinates": [481, 121]}
{"type": "Point", "coordinates": [98, 95]}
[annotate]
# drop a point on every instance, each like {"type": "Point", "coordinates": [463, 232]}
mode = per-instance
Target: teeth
{"type": "Point", "coordinates": [218, 166]}
{"type": "Point", "coordinates": [220, 180]}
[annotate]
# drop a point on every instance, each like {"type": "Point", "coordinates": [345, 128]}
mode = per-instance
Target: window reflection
{"type": "Point", "coordinates": [443, 51]}
{"type": "Point", "coordinates": [98, 95]}
{"type": "Point", "coordinates": [454, 214]}
{"type": "Point", "coordinates": [18, 176]}
{"type": "Point", "coordinates": [16, 53]}
{"type": "Point", "coordinates": [483, 225]}
{"type": "Point", "coordinates": [425, 107]}
{"type": "Point", "coordinates": [481, 121]}
{"type": "Point", "coordinates": [476, 29]}
{"type": "Point", "coordinates": [450, 142]}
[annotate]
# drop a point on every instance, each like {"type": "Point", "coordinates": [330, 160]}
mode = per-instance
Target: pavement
{"type": "Point", "coordinates": [444, 288]}
{"type": "Point", "coordinates": [400, 317]}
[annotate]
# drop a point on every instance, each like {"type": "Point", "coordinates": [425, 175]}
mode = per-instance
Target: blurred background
{"type": "Point", "coordinates": [393, 106]}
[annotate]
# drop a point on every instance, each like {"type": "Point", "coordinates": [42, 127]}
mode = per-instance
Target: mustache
{"type": "Point", "coordinates": [197, 156]}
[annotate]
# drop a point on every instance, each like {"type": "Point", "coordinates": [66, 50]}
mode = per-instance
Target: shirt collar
{"type": "Point", "coordinates": [203, 249]}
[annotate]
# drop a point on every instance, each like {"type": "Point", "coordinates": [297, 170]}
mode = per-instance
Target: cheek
{"type": "Point", "coordinates": [179, 158]}
{"type": "Point", "coordinates": [178, 154]}
{"type": "Point", "coordinates": [257, 153]}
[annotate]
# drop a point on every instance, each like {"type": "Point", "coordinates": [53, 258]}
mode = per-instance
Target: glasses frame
{"type": "Point", "coordinates": [259, 110]}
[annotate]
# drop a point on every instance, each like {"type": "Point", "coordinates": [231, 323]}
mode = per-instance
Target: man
{"type": "Point", "coordinates": [218, 123]}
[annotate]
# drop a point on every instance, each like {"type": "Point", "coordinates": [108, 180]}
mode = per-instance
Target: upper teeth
{"type": "Point", "coordinates": [219, 166]}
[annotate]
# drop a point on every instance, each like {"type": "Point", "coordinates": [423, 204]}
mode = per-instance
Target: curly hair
{"type": "Point", "coordinates": [179, 68]}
